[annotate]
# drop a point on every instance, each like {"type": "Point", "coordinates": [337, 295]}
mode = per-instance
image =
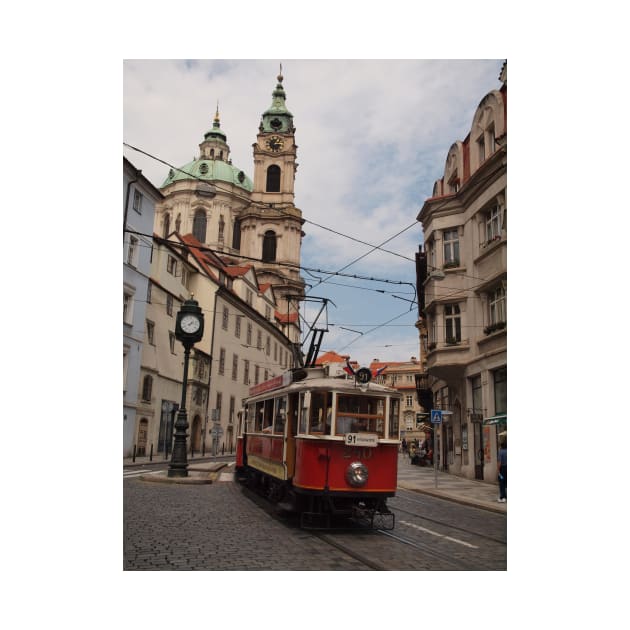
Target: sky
{"type": "Point", "coordinates": [372, 138]}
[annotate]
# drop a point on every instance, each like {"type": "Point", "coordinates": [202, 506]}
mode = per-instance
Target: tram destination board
{"type": "Point", "coordinates": [361, 439]}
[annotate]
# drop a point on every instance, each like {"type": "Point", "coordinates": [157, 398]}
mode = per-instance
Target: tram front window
{"type": "Point", "coordinates": [356, 414]}
{"type": "Point", "coordinates": [320, 415]}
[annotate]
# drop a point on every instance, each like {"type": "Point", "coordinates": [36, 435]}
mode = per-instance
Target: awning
{"type": "Point", "coordinates": [502, 417]}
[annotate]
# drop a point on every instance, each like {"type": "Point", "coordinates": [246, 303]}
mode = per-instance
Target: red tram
{"type": "Point", "coordinates": [321, 446]}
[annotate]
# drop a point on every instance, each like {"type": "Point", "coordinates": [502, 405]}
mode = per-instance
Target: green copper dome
{"type": "Point", "coordinates": [277, 118]}
{"type": "Point", "coordinates": [210, 171]}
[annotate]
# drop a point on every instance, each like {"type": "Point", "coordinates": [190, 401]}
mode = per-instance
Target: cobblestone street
{"type": "Point", "coordinates": [215, 528]}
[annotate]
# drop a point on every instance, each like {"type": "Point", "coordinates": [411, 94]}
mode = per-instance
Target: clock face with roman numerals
{"type": "Point", "coordinates": [275, 144]}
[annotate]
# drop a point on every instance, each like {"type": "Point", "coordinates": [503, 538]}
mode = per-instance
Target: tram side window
{"type": "Point", "coordinates": [251, 418]}
{"type": "Point", "coordinates": [260, 410]}
{"type": "Point", "coordinates": [305, 401]}
{"type": "Point", "coordinates": [394, 415]}
{"type": "Point", "coordinates": [267, 416]}
{"type": "Point", "coordinates": [320, 413]}
{"type": "Point", "coordinates": [281, 415]}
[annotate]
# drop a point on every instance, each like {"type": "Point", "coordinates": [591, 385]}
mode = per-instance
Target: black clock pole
{"type": "Point", "coordinates": [191, 332]}
{"type": "Point", "coordinates": [179, 461]}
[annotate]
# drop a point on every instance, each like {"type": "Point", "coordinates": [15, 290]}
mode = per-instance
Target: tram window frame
{"type": "Point", "coordinates": [394, 418]}
{"type": "Point", "coordinates": [320, 412]}
{"type": "Point", "coordinates": [355, 414]}
{"type": "Point", "coordinates": [267, 416]}
{"type": "Point", "coordinates": [280, 419]}
{"type": "Point", "coordinates": [305, 403]}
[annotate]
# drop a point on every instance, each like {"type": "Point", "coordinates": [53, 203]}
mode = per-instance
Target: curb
{"type": "Point", "coordinates": [461, 500]}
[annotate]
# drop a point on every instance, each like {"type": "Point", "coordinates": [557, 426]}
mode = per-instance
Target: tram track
{"type": "Point", "coordinates": [443, 523]}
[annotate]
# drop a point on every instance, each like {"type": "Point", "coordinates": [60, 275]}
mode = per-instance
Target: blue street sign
{"type": "Point", "coordinates": [436, 416]}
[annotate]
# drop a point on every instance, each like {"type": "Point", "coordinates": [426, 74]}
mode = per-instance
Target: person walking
{"type": "Point", "coordinates": [502, 470]}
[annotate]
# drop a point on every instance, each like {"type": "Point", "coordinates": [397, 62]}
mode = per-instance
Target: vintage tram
{"type": "Point", "coordinates": [322, 446]}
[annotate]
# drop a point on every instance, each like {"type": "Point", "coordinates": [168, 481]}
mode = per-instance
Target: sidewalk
{"type": "Point", "coordinates": [482, 494]}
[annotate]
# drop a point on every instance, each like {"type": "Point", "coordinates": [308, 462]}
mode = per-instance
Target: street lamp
{"type": "Point", "coordinates": [188, 330]}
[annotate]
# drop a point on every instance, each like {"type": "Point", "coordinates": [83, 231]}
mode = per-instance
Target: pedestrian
{"type": "Point", "coordinates": [502, 470]}
{"type": "Point", "coordinates": [404, 445]}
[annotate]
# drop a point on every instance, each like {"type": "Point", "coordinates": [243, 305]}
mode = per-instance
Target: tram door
{"type": "Point", "coordinates": [291, 429]}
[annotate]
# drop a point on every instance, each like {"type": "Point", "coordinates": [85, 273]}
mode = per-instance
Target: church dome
{"type": "Point", "coordinates": [210, 171]}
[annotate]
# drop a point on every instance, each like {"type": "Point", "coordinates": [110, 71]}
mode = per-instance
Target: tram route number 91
{"type": "Point", "coordinates": [361, 439]}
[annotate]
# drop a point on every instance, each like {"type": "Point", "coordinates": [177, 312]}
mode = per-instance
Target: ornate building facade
{"type": "Point", "coordinates": [462, 288]}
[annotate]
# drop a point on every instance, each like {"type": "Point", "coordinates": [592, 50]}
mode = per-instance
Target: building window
{"type": "Point", "coordinates": [481, 148]}
{"type": "Point", "coordinates": [477, 399]}
{"type": "Point", "coordinates": [132, 251]}
{"type": "Point", "coordinates": [256, 375]}
{"type": "Point", "coordinates": [500, 390]}
{"type": "Point", "coordinates": [259, 340]}
{"type": "Point", "coordinates": [150, 332]}
{"type": "Point", "coordinates": [490, 137]}
{"type": "Point", "coordinates": [273, 178]}
{"type": "Point", "coordinates": [453, 324]}
{"type": "Point", "coordinates": [147, 386]}
{"type": "Point", "coordinates": [219, 405]}
{"type": "Point", "coordinates": [137, 201]}
{"type": "Point", "coordinates": [226, 318]}
{"type": "Point", "coordinates": [269, 246]}
{"type": "Point", "coordinates": [246, 372]}
{"type": "Point", "coordinates": [221, 228]}
{"type": "Point", "coordinates": [275, 351]}
{"type": "Point", "coordinates": [451, 248]}
{"type": "Point", "coordinates": [268, 313]}
{"type": "Point", "coordinates": [171, 341]}
{"type": "Point", "coordinates": [127, 308]}
{"type": "Point", "coordinates": [178, 223]}
{"type": "Point", "coordinates": [236, 236]}
{"type": "Point", "coordinates": [232, 407]}
{"type": "Point", "coordinates": [493, 224]}
{"type": "Point", "coordinates": [234, 367]}
{"type": "Point", "coordinates": [167, 225]}
{"type": "Point", "coordinates": [200, 224]}
{"type": "Point", "coordinates": [268, 346]}
{"type": "Point", "coordinates": [169, 305]}
{"type": "Point", "coordinates": [171, 265]}
{"type": "Point", "coordinates": [185, 275]}
{"type": "Point", "coordinates": [237, 327]}
{"type": "Point", "coordinates": [222, 361]}
{"type": "Point", "coordinates": [409, 401]}
{"type": "Point", "coordinates": [249, 334]}
{"type": "Point", "coordinates": [249, 296]}
{"type": "Point", "coordinates": [498, 312]}
{"type": "Point", "coordinates": [149, 286]}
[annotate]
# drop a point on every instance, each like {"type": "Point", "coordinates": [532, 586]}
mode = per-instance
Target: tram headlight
{"type": "Point", "coordinates": [357, 474]}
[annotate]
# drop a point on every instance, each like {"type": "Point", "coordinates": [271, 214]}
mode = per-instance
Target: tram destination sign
{"type": "Point", "coordinates": [361, 439]}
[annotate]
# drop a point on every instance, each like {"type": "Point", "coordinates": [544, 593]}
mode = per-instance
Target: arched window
{"type": "Point", "coordinates": [200, 222]}
{"type": "Point", "coordinates": [147, 386]}
{"type": "Point", "coordinates": [269, 246]}
{"type": "Point", "coordinates": [167, 224]}
{"type": "Point", "coordinates": [236, 235]}
{"type": "Point", "coordinates": [273, 178]}
{"type": "Point", "coordinates": [178, 223]}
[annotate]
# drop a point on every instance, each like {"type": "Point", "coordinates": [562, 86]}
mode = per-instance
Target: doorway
{"type": "Point", "coordinates": [478, 449]}
{"type": "Point", "coordinates": [143, 433]}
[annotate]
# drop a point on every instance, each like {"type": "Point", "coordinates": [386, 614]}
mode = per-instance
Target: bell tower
{"type": "Point", "coordinates": [271, 227]}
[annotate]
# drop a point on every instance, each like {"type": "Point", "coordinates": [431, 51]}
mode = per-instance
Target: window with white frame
{"type": "Point", "coordinates": [498, 311]}
{"type": "Point", "coordinates": [226, 318]}
{"type": "Point", "coordinates": [249, 334]}
{"type": "Point", "coordinates": [171, 265]}
{"type": "Point", "coordinates": [246, 372]}
{"type": "Point", "coordinates": [132, 252]}
{"type": "Point", "coordinates": [259, 340]}
{"type": "Point", "coordinates": [452, 323]}
{"type": "Point", "coordinates": [268, 313]}
{"type": "Point", "coordinates": [222, 361]}
{"type": "Point", "coordinates": [127, 307]}
{"type": "Point", "coordinates": [249, 296]}
{"type": "Point", "coordinates": [237, 326]}
{"type": "Point", "coordinates": [150, 332]}
{"type": "Point", "coordinates": [234, 367]}
{"type": "Point", "coordinates": [493, 224]}
{"type": "Point", "coordinates": [137, 201]}
{"type": "Point", "coordinates": [409, 401]}
{"type": "Point", "coordinates": [451, 247]}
